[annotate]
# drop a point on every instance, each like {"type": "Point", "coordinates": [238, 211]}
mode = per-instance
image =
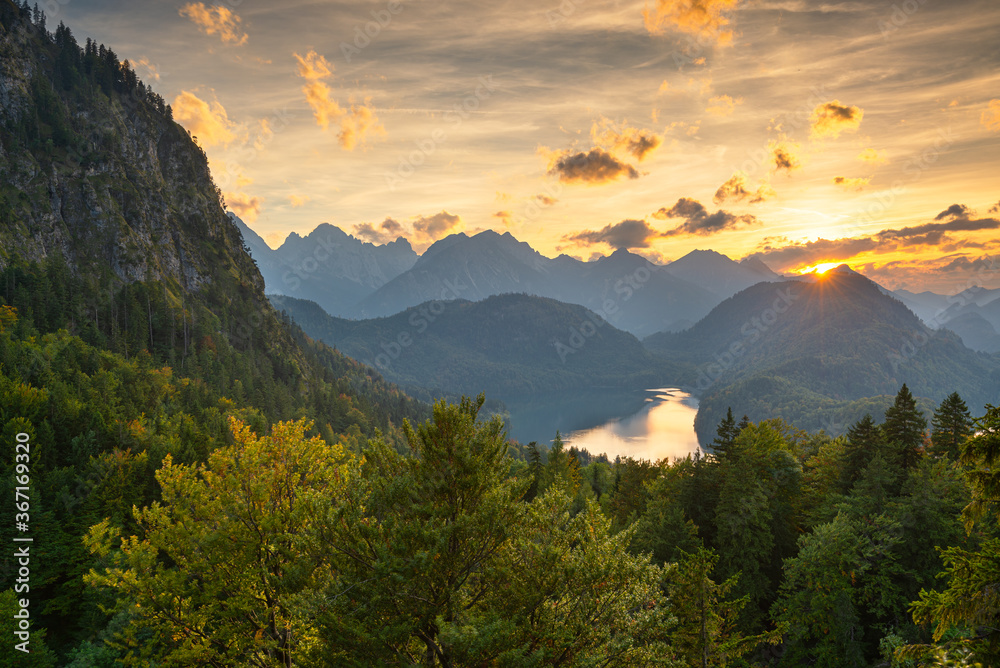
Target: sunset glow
{"type": "Point", "coordinates": [610, 125]}
{"type": "Point", "coordinates": [820, 268]}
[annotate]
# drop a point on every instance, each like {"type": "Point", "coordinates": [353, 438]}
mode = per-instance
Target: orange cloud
{"type": "Point", "coordinates": [783, 155]}
{"type": "Point", "coordinates": [358, 124]}
{"type": "Point", "coordinates": [873, 156]}
{"type": "Point", "coordinates": [852, 183]}
{"type": "Point", "coordinates": [216, 20]}
{"type": "Point", "coordinates": [738, 188]}
{"type": "Point", "coordinates": [298, 200]}
{"type": "Point", "coordinates": [706, 18]}
{"type": "Point", "coordinates": [243, 205]}
{"type": "Point", "coordinates": [324, 107]}
{"type": "Point", "coordinates": [991, 116]}
{"type": "Point", "coordinates": [314, 66]}
{"type": "Point", "coordinates": [388, 230]}
{"type": "Point", "coordinates": [208, 122]}
{"type": "Point", "coordinates": [505, 217]}
{"type": "Point", "coordinates": [622, 138]}
{"type": "Point", "coordinates": [152, 71]}
{"type": "Point", "coordinates": [723, 105]}
{"type": "Point", "coordinates": [831, 118]}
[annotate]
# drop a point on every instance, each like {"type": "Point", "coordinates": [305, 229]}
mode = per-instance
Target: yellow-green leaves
{"type": "Point", "coordinates": [231, 568]}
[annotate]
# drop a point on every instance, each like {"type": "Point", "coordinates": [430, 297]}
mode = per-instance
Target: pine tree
{"type": "Point", "coordinates": [863, 441]}
{"type": "Point", "coordinates": [952, 424]}
{"type": "Point", "coordinates": [904, 429]}
{"type": "Point", "coordinates": [970, 600]}
{"type": "Point", "coordinates": [744, 423]}
{"type": "Point", "coordinates": [706, 633]}
{"type": "Point", "coordinates": [537, 470]}
{"type": "Point", "coordinates": [726, 435]}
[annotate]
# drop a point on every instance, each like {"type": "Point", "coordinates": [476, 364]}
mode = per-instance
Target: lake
{"type": "Point", "coordinates": [648, 424]}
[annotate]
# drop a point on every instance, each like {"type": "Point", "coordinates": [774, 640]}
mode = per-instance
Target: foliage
{"type": "Point", "coordinates": [706, 633]}
{"type": "Point", "coordinates": [243, 533]}
{"type": "Point", "coordinates": [971, 600]}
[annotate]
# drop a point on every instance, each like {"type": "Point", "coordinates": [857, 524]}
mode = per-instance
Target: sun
{"type": "Point", "coordinates": [821, 268]}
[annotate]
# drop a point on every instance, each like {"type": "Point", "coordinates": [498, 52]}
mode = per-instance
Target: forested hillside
{"type": "Point", "coordinates": [203, 484]}
{"type": "Point", "coordinates": [820, 355]}
{"type": "Point", "coordinates": [134, 323]}
{"type": "Point", "coordinates": [503, 345]}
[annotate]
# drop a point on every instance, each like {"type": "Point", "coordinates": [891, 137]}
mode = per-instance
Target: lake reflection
{"type": "Point", "coordinates": [651, 424]}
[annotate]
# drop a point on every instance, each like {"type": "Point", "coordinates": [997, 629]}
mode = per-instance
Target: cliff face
{"type": "Point", "coordinates": [93, 167]}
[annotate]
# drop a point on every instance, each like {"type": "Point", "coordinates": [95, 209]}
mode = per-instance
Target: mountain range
{"type": "Point", "coordinates": [506, 345]}
{"type": "Point", "coordinates": [354, 279]}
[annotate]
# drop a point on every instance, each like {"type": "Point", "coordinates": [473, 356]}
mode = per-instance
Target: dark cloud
{"type": "Point", "coordinates": [388, 230]}
{"type": "Point", "coordinates": [642, 143]}
{"type": "Point", "coordinates": [995, 208]}
{"type": "Point", "coordinates": [956, 220]}
{"type": "Point", "coordinates": [954, 211]}
{"type": "Point", "coordinates": [797, 255]}
{"type": "Point", "coordinates": [964, 263]}
{"type": "Point", "coordinates": [697, 219]}
{"type": "Point", "coordinates": [784, 158]}
{"type": "Point", "coordinates": [593, 167]}
{"type": "Point", "coordinates": [626, 234]}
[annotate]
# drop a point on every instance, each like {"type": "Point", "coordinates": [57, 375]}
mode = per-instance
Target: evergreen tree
{"type": "Point", "coordinates": [971, 599]}
{"type": "Point", "coordinates": [904, 429]}
{"type": "Point", "coordinates": [864, 439]}
{"type": "Point", "coordinates": [726, 435]}
{"type": "Point", "coordinates": [706, 633]}
{"type": "Point", "coordinates": [952, 424]}
{"type": "Point", "coordinates": [744, 423]}
{"type": "Point", "coordinates": [536, 468]}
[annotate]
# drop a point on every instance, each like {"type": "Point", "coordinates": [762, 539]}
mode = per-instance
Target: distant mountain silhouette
{"type": "Point", "coordinates": [328, 266]}
{"type": "Point", "coordinates": [503, 345]}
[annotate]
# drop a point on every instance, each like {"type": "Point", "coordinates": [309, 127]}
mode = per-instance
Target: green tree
{"type": "Point", "coordinates": [705, 633]}
{"type": "Point", "coordinates": [904, 430]}
{"type": "Point", "coordinates": [951, 425]}
{"type": "Point", "coordinates": [972, 596]}
{"type": "Point", "coordinates": [443, 565]}
{"type": "Point", "coordinates": [417, 544]}
{"type": "Point", "coordinates": [864, 440]}
{"type": "Point", "coordinates": [230, 569]}
{"type": "Point", "coordinates": [726, 433]}
{"type": "Point", "coordinates": [536, 469]}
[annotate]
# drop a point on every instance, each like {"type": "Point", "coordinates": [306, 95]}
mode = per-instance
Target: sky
{"type": "Point", "coordinates": [796, 131]}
